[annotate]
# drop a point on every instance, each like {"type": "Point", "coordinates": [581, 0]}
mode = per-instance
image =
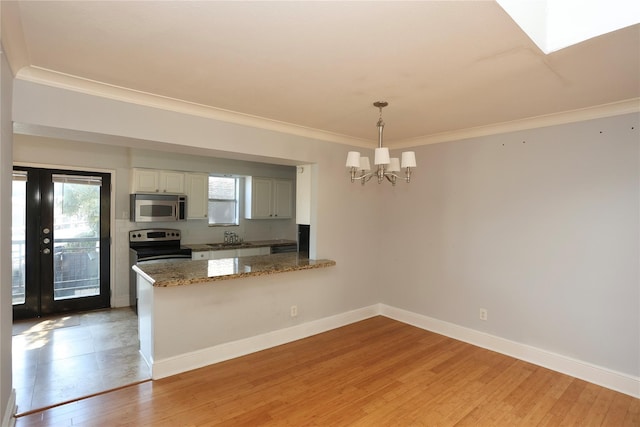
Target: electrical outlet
{"type": "Point", "coordinates": [483, 314]}
{"type": "Point", "coordinates": [294, 310]}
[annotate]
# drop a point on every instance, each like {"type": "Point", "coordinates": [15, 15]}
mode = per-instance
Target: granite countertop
{"type": "Point", "coordinates": [199, 247]}
{"type": "Point", "coordinates": [165, 273]}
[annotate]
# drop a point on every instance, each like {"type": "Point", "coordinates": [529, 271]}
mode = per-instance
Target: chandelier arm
{"type": "Point", "coordinates": [363, 178]}
{"type": "Point", "coordinates": [391, 177]}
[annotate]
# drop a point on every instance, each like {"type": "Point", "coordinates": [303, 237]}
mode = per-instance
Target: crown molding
{"type": "Point", "coordinates": [91, 87]}
{"type": "Point", "coordinates": [627, 106]}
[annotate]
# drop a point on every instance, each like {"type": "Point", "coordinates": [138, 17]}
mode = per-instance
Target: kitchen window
{"type": "Point", "coordinates": [224, 198]}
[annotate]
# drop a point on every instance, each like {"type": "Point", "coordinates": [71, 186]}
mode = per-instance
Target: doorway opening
{"type": "Point", "coordinates": [60, 241]}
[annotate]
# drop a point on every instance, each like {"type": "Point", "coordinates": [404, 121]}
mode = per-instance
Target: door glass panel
{"type": "Point", "coordinates": [76, 236]}
{"type": "Point", "coordinates": [18, 237]}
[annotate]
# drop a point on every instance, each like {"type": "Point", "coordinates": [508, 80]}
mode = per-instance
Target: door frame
{"type": "Point", "coordinates": [112, 215]}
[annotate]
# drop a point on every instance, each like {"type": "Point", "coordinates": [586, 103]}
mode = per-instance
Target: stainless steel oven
{"type": "Point", "coordinates": [152, 244]}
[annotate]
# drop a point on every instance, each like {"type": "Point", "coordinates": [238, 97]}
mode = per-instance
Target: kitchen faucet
{"type": "Point", "coordinates": [230, 237]}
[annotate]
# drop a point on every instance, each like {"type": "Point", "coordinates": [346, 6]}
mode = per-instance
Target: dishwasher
{"type": "Point", "coordinates": [281, 249]}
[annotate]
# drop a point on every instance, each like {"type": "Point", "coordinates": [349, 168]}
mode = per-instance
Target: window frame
{"type": "Point", "coordinates": [236, 199]}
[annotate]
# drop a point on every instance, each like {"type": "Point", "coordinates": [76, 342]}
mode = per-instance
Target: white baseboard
{"type": "Point", "coordinates": [576, 368]}
{"type": "Point", "coordinates": [219, 353]}
{"type": "Point", "coordinates": [120, 302]}
{"type": "Point", "coordinates": [8, 419]}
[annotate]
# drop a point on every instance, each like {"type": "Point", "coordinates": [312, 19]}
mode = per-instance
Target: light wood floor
{"type": "Point", "coordinates": [377, 372]}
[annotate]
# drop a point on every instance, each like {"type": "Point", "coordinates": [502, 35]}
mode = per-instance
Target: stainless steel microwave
{"type": "Point", "coordinates": [158, 207]}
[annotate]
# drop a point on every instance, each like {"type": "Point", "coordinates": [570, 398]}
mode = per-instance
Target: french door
{"type": "Point", "coordinates": [60, 241]}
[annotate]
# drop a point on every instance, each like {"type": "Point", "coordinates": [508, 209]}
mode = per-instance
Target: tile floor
{"type": "Point", "coordinates": [60, 359]}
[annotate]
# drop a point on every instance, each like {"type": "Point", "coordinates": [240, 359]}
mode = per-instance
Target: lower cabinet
{"type": "Point", "coordinates": [266, 250]}
{"type": "Point", "coordinates": [224, 253]}
{"type": "Point", "coordinates": [200, 254]}
{"type": "Point", "coordinates": [230, 253]}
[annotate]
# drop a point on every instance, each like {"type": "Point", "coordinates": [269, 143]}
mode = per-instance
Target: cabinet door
{"type": "Point", "coordinates": [225, 253]}
{"type": "Point", "coordinates": [253, 251]}
{"type": "Point", "coordinates": [145, 181]}
{"type": "Point", "coordinates": [282, 191]}
{"type": "Point", "coordinates": [172, 182]}
{"type": "Point", "coordinates": [200, 255]}
{"type": "Point", "coordinates": [259, 198]}
{"type": "Point", "coordinates": [197, 190]}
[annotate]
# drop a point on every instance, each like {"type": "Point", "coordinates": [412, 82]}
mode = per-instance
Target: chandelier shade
{"type": "Point", "coordinates": [364, 164]}
{"type": "Point", "coordinates": [408, 159]}
{"type": "Point", "coordinates": [394, 165]}
{"type": "Point", "coordinates": [353, 159]}
{"type": "Point", "coordinates": [387, 166]}
{"type": "Point", "coordinates": [381, 156]}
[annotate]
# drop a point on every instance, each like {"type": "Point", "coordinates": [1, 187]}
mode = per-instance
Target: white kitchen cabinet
{"type": "Point", "coordinates": [266, 250]}
{"type": "Point", "coordinates": [224, 253]}
{"type": "Point", "coordinates": [157, 181]}
{"type": "Point", "coordinates": [145, 181]}
{"type": "Point", "coordinates": [230, 253]}
{"type": "Point", "coordinates": [200, 254]}
{"type": "Point", "coordinates": [172, 182]}
{"type": "Point", "coordinates": [258, 197]}
{"type": "Point", "coordinates": [282, 196]}
{"type": "Point", "coordinates": [268, 198]}
{"type": "Point", "coordinates": [197, 191]}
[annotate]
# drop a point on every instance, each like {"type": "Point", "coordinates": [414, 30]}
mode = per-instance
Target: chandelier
{"type": "Point", "coordinates": [360, 168]}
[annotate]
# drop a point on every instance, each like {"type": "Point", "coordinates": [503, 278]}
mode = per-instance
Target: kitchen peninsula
{"type": "Point", "coordinates": [178, 301]}
{"type": "Point", "coordinates": [165, 273]}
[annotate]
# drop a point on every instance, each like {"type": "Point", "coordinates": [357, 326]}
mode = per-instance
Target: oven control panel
{"type": "Point", "coordinates": [154, 235]}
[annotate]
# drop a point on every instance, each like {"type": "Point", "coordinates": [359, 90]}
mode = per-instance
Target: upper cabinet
{"type": "Point", "coordinates": [197, 191]}
{"type": "Point", "coordinates": [283, 197]}
{"type": "Point", "coordinates": [157, 181]}
{"type": "Point", "coordinates": [268, 198]}
{"type": "Point", "coordinates": [172, 182]}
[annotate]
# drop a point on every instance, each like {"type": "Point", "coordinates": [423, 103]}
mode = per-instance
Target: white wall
{"type": "Point", "coordinates": [6, 136]}
{"type": "Point", "coordinates": [539, 227]}
{"type": "Point", "coordinates": [542, 233]}
{"type": "Point", "coordinates": [342, 222]}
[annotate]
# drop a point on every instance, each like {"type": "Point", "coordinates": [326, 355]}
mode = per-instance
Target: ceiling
{"type": "Point", "coordinates": [444, 66]}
